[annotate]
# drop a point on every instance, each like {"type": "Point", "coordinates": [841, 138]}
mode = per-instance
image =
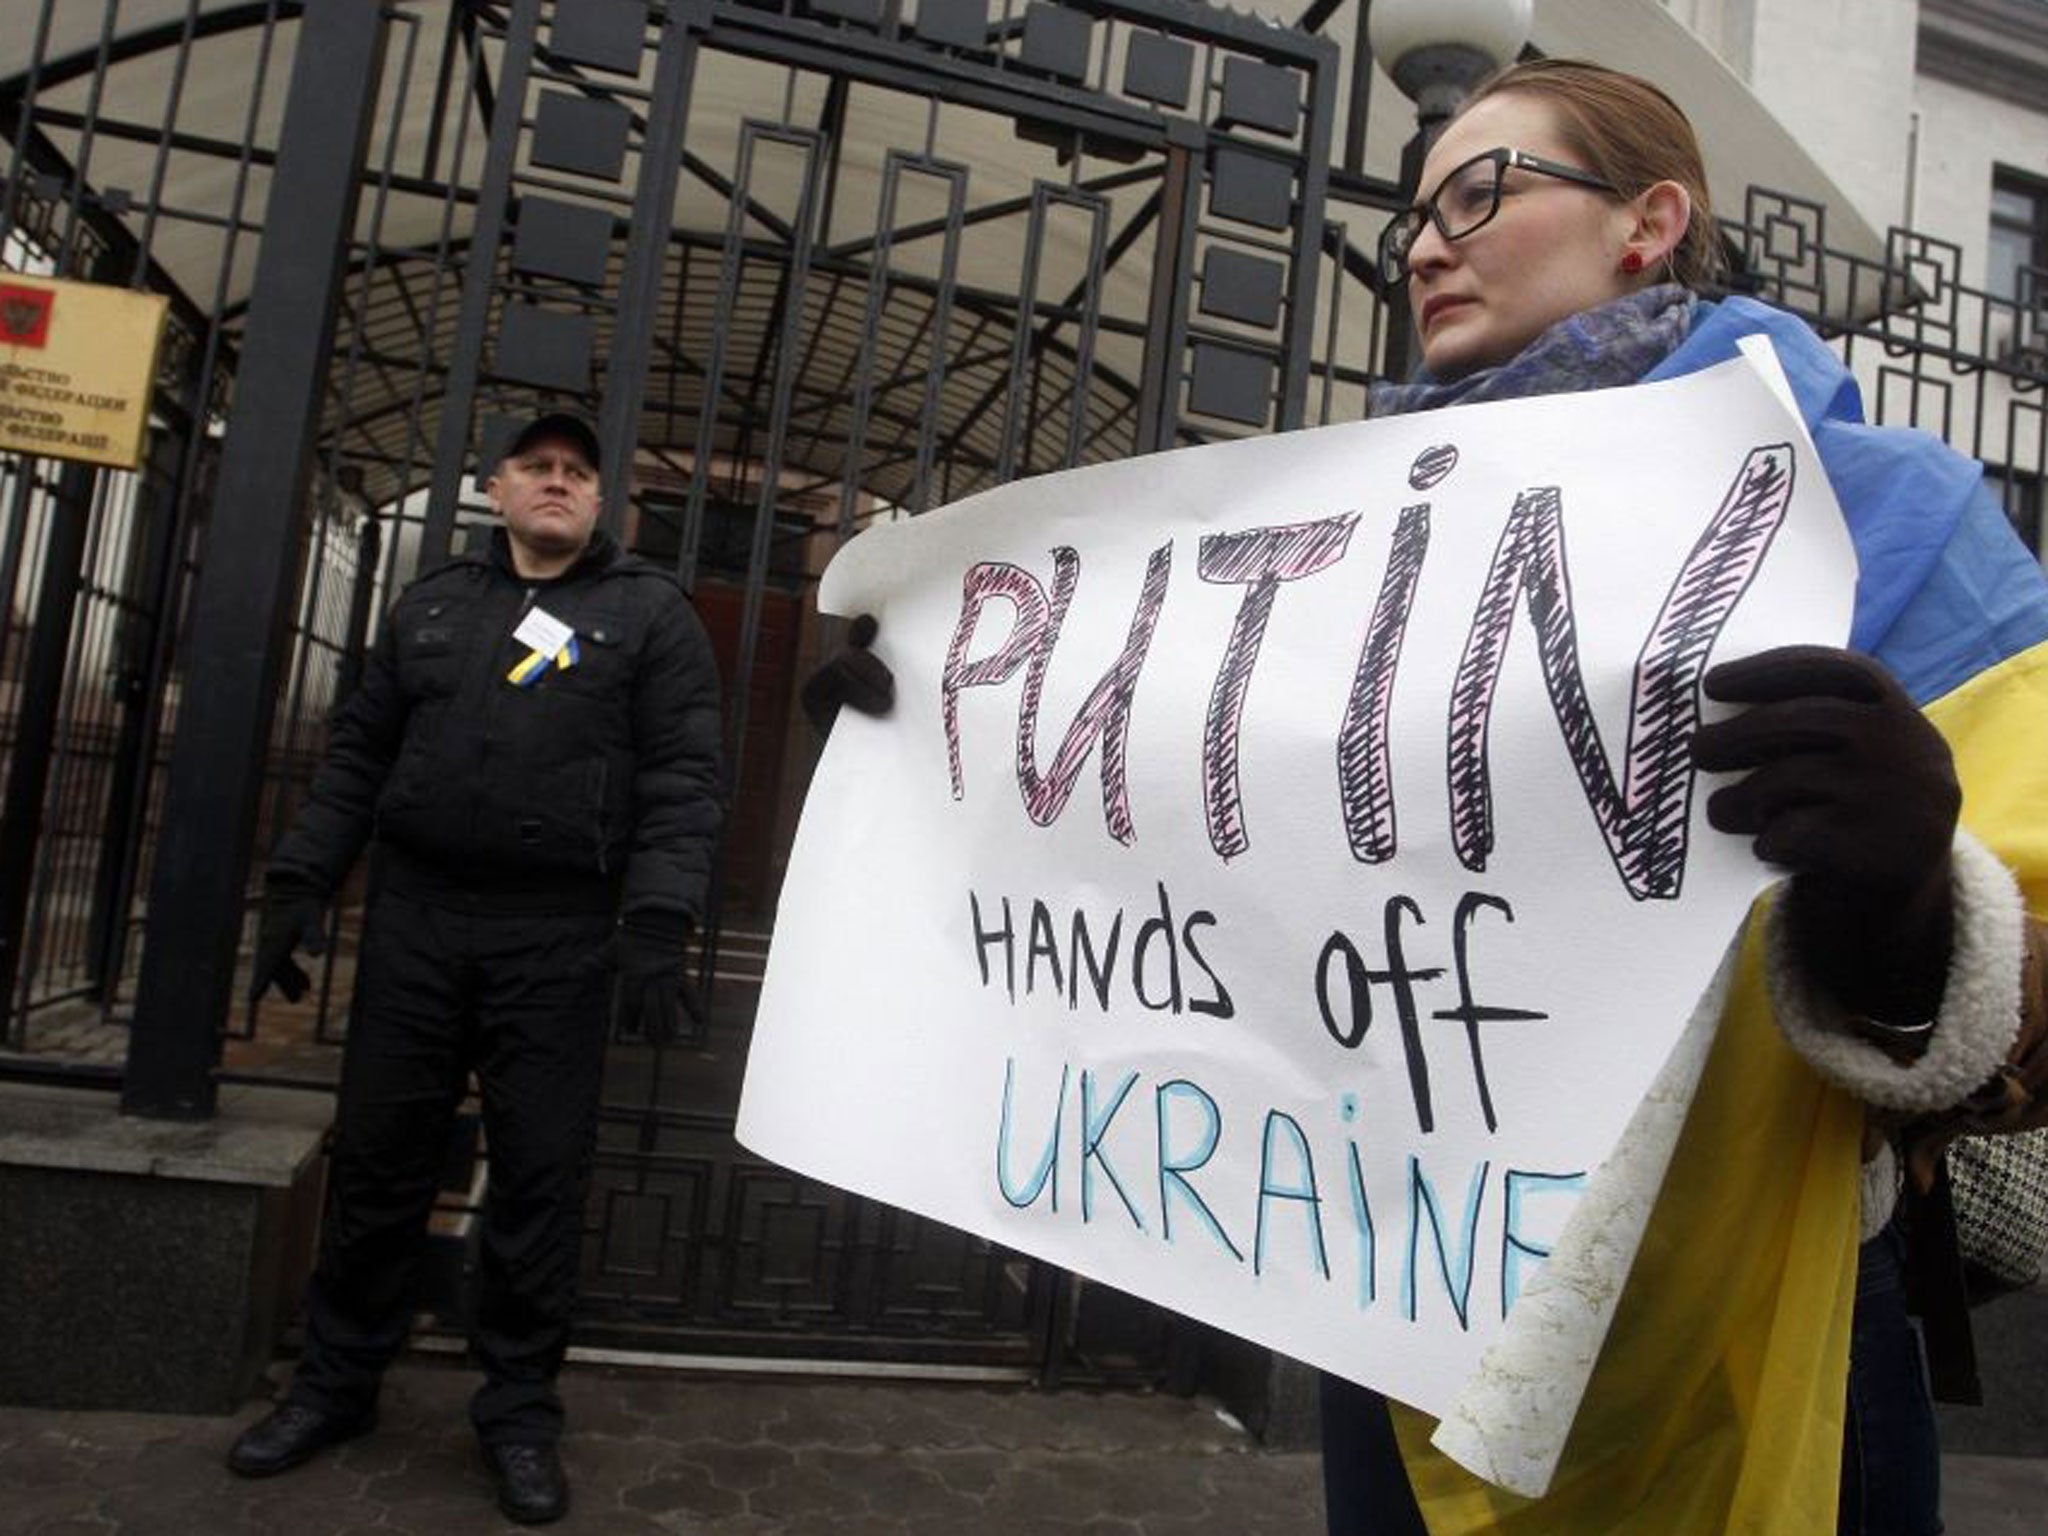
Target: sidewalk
{"type": "Point", "coordinates": [660, 1452]}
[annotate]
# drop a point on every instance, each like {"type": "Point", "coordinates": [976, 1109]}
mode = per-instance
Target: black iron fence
{"type": "Point", "coordinates": [94, 563]}
{"type": "Point", "coordinates": [1930, 350]}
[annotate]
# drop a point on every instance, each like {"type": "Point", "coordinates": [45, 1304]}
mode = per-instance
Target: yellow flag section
{"type": "Point", "coordinates": [76, 364]}
{"type": "Point", "coordinates": [1717, 1403]}
{"type": "Point", "coordinates": [1997, 726]}
{"type": "Point", "coordinates": [1718, 1399]}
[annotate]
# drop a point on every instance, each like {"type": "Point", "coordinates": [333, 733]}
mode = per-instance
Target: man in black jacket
{"type": "Point", "coordinates": [533, 757]}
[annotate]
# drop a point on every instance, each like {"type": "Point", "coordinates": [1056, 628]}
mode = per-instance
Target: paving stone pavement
{"type": "Point", "coordinates": [657, 1452]}
{"type": "Point", "coordinates": [667, 1454]}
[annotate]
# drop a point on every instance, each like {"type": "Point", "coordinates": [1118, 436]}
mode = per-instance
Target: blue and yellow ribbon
{"type": "Point", "coordinates": [534, 665]}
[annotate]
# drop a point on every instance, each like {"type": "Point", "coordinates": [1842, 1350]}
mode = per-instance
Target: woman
{"type": "Point", "coordinates": [1565, 228]}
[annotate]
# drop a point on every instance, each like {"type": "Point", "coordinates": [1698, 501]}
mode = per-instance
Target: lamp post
{"type": "Point", "coordinates": [1436, 51]}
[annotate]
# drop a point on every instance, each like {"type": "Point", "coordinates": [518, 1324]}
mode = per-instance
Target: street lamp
{"type": "Point", "coordinates": [1436, 51]}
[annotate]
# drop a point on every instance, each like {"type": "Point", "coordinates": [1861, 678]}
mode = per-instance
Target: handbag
{"type": "Point", "coordinates": [1999, 1187]}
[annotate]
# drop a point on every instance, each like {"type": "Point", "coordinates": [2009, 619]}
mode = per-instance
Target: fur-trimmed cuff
{"type": "Point", "coordinates": [1980, 1007]}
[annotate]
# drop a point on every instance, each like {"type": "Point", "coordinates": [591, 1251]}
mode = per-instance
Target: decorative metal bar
{"type": "Point", "coordinates": [458, 399]}
{"type": "Point", "coordinates": [639, 291]}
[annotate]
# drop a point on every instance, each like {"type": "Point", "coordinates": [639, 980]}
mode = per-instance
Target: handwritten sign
{"type": "Point", "coordinates": [76, 364]}
{"type": "Point", "coordinates": [1283, 871]}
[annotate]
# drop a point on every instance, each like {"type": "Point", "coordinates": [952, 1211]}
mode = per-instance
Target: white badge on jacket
{"type": "Point", "coordinates": [543, 632]}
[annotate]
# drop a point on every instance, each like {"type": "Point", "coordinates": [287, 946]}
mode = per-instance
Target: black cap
{"type": "Point", "coordinates": [562, 427]}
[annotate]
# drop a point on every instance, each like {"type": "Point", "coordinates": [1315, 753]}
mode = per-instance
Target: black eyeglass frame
{"type": "Point", "coordinates": [1395, 246]}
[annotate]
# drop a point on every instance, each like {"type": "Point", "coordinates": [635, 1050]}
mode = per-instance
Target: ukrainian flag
{"type": "Point", "coordinates": [1717, 1403]}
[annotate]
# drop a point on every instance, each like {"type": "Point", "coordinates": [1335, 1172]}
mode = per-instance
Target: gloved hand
{"type": "Point", "coordinates": [1853, 791]}
{"type": "Point", "coordinates": [655, 995]}
{"type": "Point", "coordinates": [855, 676]}
{"type": "Point", "coordinates": [293, 917]}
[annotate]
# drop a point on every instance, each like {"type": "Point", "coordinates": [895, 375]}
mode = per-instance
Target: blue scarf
{"type": "Point", "coordinates": [1601, 348]}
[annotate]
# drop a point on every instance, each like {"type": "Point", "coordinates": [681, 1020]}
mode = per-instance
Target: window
{"type": "Point", "coordinates": [2019, 232]}
{"type": "Point", "coordinates": [2016, 256]}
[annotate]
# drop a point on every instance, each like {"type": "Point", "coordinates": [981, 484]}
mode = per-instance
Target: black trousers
{"type": "Point", "coordinates": [442, 990]}
{"type": "Point", "coordinates": [1365, 1483]}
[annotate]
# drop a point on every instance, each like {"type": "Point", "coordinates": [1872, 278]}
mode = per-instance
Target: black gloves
{"type": "Point", "coordinates": [1855, 793]}
{"type": "Point", "coordinates": [292, 918]}
{"type": "Point", "coordinates": [855, 676]}
{"type": "Point", "coordinates": [655, 994]}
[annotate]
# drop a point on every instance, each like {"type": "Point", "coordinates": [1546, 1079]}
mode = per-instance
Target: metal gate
{"type": "Point", "coordinates": [806, 264]}
{"type": "Point", "coordinates": [92, 563]}
{"type": "Point", "coordinates": [809, 265]}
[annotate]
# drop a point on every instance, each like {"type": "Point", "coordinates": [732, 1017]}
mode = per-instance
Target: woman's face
{"type": "Point", "coordinates": [1553, 249]}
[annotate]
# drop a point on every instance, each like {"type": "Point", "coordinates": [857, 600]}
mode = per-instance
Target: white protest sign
{"type": "Point", "coordinates": [1282, 871]}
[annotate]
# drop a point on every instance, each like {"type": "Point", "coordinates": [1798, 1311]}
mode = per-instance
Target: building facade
{"type": "Point", "coordinates": [1933, 118]}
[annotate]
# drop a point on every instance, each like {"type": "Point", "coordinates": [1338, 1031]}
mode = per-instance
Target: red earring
{"type": "Point", "coordinates": [1631, 261]}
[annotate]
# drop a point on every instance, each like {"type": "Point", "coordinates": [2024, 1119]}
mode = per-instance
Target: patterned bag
{"type": "Point", "coordinates": [1999, 1185]}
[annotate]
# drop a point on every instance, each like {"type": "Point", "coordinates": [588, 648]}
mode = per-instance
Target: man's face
{"type": "Point", "coordinates": [547, 494]}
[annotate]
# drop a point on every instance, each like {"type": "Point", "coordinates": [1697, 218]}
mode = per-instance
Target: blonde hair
{"type": "Point", "coordinates": [1631, 135]}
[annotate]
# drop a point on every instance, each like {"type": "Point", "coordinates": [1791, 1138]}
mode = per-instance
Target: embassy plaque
{"type": "Point", "coordinates": [76, 364]}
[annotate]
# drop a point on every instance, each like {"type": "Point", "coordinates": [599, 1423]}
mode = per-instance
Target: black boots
{"type": "Point", "coordinates": [532, 1487]}
{"type": "Point", "coordinates": [288, 1435]}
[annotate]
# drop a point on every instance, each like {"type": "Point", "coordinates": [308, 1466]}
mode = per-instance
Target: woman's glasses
{"type": "Point", "coordinates": [1464, 201]}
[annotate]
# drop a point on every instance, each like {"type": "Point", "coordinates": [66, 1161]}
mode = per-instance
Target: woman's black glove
{"type": "Point", "coordinates": [856, 676]}
{"type": "Point", "coordinates": [1854, 791]}
{"type": "Point", "coordinates": [655, 995]}
{"type": "Point", "coordinates": [293, 917]}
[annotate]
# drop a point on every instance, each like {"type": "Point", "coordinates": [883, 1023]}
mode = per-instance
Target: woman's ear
{"type": "Point", "coordinates": [1663, 212]}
